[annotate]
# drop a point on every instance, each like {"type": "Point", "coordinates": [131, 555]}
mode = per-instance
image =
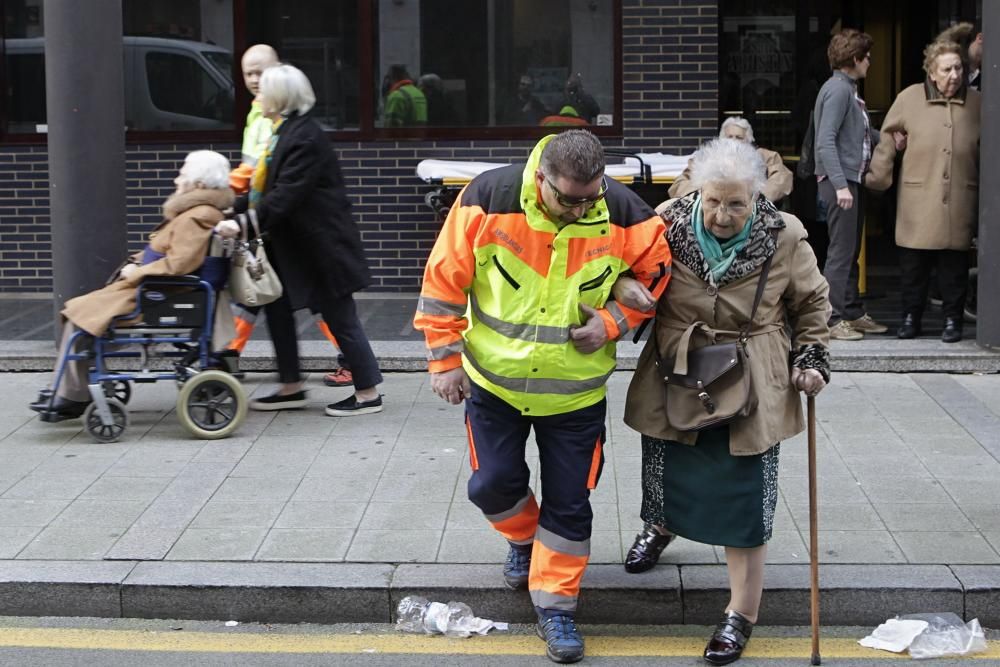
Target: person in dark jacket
{"type": "Point", "coordinates": [299, 198]}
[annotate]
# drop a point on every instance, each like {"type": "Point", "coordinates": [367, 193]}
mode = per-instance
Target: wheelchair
{"type": "Point", "coordinates": [175, 311]}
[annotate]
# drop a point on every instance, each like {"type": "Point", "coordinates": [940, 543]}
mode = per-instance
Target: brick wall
{"type": "Point", "coordinates": [670, 89]}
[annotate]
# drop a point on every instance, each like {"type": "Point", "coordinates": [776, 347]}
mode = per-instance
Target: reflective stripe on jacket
{"type": "Point", "coordinates": [503, 285]}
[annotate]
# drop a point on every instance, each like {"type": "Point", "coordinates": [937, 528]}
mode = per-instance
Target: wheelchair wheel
{"type": "Point", "coordinates": [118, 389]}
{"type": "Point", "coordinates": [100, 431]}
{"type": "Point", "coordinates": [211, 404]}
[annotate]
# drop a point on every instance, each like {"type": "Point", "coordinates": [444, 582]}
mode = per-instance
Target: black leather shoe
{"type": "Point", "coordinates": [61, 407]}
{"type": "Point", "coordinates": [728, 640]}
{"type": "Point", "coordinates": [910, 328]}
{"type": "Point", "coordinates": [646, 550]}
{"type": "Point", "coordinates": [952, 330]}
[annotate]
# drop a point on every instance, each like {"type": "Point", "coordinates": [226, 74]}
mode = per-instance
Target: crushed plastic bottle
{"type": "Point", "coordinates": [455, 619]}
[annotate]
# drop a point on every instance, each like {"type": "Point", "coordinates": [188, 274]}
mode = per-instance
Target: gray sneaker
{"type": "Point", "coordinates": [843, 330]}
{"type": "Point", "coordinates": [865, 324]}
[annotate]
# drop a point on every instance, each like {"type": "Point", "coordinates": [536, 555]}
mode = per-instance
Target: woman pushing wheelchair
{"type": "Point", "coordinates": [177, 247]}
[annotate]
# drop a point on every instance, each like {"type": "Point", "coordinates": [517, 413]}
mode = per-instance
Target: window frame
{"type": "Point", "coordinates": [366, 130]}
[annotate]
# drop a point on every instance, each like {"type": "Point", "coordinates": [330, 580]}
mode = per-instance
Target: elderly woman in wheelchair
{"type": "Point", "coordinates": [154, 300]}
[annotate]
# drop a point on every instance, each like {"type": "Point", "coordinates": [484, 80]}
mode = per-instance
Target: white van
{"type": "Point", "coordinates": [170, 84]}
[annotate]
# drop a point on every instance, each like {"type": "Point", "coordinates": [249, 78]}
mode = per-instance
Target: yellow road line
{"type": "Point", "coordinates": [496, 644]}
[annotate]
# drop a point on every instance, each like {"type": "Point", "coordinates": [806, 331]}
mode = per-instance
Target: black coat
{"type": "Point", "coordinates": [311, 238]}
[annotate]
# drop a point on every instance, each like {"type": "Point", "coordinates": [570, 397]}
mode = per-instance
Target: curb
{"type": "Point", "coordinates": [875, 356]}
{"type": "Point", "coordinates": [862, 595]}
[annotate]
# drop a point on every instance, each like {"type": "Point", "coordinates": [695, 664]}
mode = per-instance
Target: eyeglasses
{"type": "Point", "coordinates": [734, 208]}
{"type": "Point", "coordinates": [570, 202]}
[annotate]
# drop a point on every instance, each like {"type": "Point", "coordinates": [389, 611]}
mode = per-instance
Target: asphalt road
{"type": "Point", "coordinates": [71, 642]}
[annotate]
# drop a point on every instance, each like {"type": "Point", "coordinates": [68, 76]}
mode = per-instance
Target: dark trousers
{"type": "Point", "coordinates": [571, 454]}
{"type": "Point", "coordinates": [341, 315]}
{"type": "Point", "coordinates": [570, 451]}
{"type": "Point", "coordinates": [952, 268]}
{"type": "Point", "coordinates": [841, 268]}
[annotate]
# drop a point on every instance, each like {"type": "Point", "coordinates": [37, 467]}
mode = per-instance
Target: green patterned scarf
{"type": "Point", "coordinates": [719, 255]}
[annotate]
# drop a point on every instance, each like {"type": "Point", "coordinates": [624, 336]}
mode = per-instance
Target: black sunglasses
{"type": "Point", "coordinates": [570, 202]}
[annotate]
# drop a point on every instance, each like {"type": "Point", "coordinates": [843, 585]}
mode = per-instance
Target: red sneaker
{"type": "Point", "coordinates": [339, 378]}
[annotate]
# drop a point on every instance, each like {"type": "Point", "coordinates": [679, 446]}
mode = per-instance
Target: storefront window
{"type": "Point", "coordinates": [320, 38]}
{"type": "Point", "coordinates": [24, 66]}
{"type": "Point", "coordinates": [178, 64]}
{"type": "Point", "coordinates": [485, 64]}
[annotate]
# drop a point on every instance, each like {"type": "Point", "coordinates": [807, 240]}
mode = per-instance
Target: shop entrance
{"type": "Point", "coordinates": [772, 62]}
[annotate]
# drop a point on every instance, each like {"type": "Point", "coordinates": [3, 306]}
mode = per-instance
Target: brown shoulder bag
{"type": "Point", "coordinates": [709, 386]}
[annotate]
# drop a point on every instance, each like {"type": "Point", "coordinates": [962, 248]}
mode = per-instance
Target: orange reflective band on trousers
{"type": "Point", "coordinates": [557, 566]}
{"type": "Point", "coordinates": [325, 330]}
{"type": "Point", "coordinates": [595, 466]}
{"type": "Point", "coordinates": [473, 459]}
{"type": "Point", "coordinates": [244, 330]}
{"type": "Point", "coordinates": [518, 524]}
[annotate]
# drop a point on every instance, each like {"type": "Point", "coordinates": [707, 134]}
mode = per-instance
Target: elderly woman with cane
{"type": "Point", "coordinates": [745, 281]}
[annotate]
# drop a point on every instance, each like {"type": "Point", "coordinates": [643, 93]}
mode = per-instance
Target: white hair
{"type": "Point", "coordinates": [284, 89]}
{"type": "Point", "coordinates": [738, 121]}
{"type": "Point", "coordinates": [206, 169]}
{"type": "Point", "coordinates": [728, 161]}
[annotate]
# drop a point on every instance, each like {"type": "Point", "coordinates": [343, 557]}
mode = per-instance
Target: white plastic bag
{"type": "Point", "coordinates": [947, 635]}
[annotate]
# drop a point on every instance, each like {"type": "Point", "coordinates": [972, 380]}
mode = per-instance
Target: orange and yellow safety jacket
{"type": "Point", "coordinates": [503, 285]}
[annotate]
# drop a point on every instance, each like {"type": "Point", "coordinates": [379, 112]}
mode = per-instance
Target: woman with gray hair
{"type": "Point", "coordinates": [297, 194]}
{"type": "Point", "coordinates": [937, 199]}
{"type": "Point", "coordinates": [723, 490]}
{"type": "Point", "coordinates": [176, 247]}
{"type": "Point", "coordinates": [778, 178]}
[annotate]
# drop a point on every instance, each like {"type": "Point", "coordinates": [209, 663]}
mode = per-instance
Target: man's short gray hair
{"type": "Point", "coordinates": [207, 169]}
{"type": "Point", "coordinates": [284, 89]}
{"type": "Point", "coordinates": [738, 121]}
{"type": "Point", "coordinates": [728, 161]}
{"type": "Point", "coordinates": [573, 154]}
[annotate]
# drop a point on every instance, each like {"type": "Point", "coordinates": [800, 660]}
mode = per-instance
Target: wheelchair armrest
{"type": "Point", "coordinates": [172, 280]}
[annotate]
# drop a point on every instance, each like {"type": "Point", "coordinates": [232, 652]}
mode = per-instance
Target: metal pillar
{"type": "Point", "coordinates": [86, 136]}
{"type": "Point", "coordinates": [988, 316]}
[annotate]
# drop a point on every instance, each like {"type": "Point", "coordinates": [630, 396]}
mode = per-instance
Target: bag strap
{"type": "Point", "coordinates": [761, 283]}
{"type": "Point", "coordinates": [683, 346]}
{"type": "Point", "coordinates": [252, 216]}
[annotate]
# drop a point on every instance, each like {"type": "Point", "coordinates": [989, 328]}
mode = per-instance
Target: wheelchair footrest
{"type": "Point", "coordinates": [53, 417]}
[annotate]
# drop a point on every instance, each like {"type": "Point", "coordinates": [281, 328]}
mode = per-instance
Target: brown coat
{"type": "Point", "coordinates": [183, 237]}
{"type": "Point", "coordinates": [779, 178]}
{"type": "Point", "coordinates": [796, 292]}
{"type": "Point", "coordinates": [938, 200]}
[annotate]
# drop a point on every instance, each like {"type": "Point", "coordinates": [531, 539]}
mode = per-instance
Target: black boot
{"type": "Point", "coordinates": [910, 328]}
{"type": "Point", "coordinates": [952, 330]}
{"type": "Point", "coordinates": [61, 408]}
{"type": "Point", "coordinates": [646, 550]}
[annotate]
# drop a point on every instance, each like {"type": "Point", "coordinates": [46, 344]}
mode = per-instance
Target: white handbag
{"type": "Point", "coordinates": [252, 281]}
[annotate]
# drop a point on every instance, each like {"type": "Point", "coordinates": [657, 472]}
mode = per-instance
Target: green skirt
{"type": "Point", "coordinates": [705, 494]}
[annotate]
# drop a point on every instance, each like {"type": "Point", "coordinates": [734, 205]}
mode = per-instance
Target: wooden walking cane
{"type": "Point", "coordinates": [813, 536]}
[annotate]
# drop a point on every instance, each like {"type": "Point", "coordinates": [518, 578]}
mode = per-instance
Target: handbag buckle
{"type": "Point", "coordinates": [707, 402]}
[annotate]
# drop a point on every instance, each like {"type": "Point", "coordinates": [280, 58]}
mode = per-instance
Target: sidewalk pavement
{"type": "Point", "coordinates": [303, 517]}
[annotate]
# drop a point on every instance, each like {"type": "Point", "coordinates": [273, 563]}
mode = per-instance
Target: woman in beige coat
{"type": "Point", "coordinates": [183, 238]}
{"type": "Point", "coordinates": [938, 200]}
{"type": "Point", "coordinates": [719, 485]}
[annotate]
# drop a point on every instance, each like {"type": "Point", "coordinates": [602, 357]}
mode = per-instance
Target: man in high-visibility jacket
{"type": "Point", "coordinates": [516, 313]}
{"type": "Point", "coordinates": [256, 135]}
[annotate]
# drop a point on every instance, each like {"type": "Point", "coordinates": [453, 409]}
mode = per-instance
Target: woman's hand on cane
{"type": "Point", "coordinates": [810, 381]}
